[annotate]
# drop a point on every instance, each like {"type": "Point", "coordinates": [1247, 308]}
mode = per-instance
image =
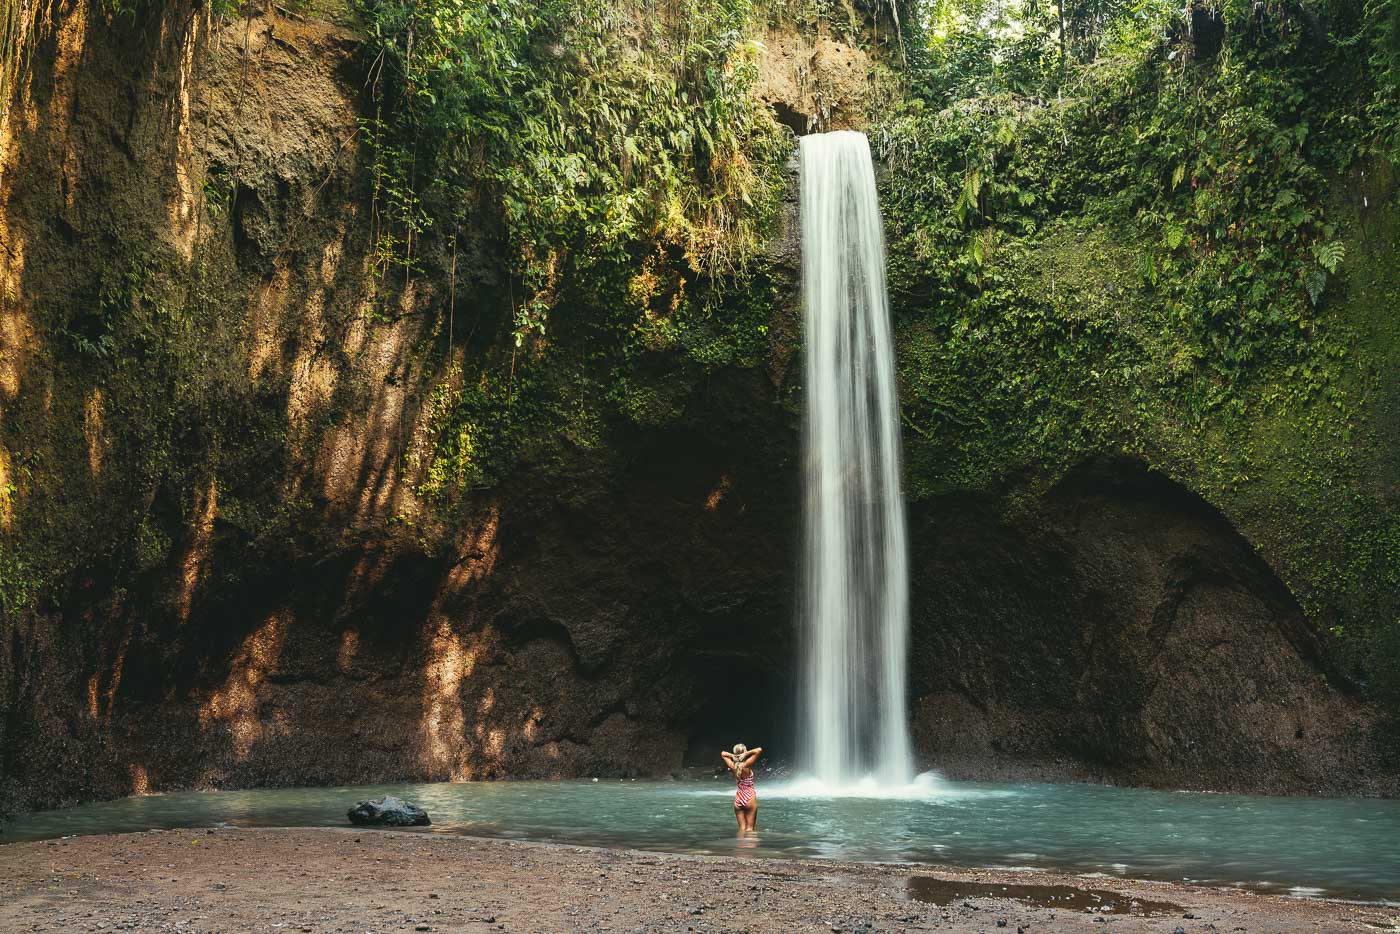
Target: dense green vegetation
{"type": "Point", "coordinates": [1133, 241]}
{"type": "Point", "coordinates": [593, 127]}
{"type": "Point", "coordinates": [632, 175]}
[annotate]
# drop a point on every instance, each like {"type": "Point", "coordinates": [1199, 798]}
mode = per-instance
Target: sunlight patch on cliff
{"type": "Point", "coordinates": [814, 83]}
{"type": "Point", "coordinates": [93, 432]}
{"type": "Point", "coordinates": [478, 550]}
{"type": "Point", "coordinates": [361, 462]}
{"type": "Point", "coordinates": [16, 333]}
{"type": "Point", "coordinates": [265, 331]}
{"type": "Point", "coordinates": [7, 491]}
{"type": "Point", "coordinates": [140, 780]}
{"type": "Point", "coordinates": [490, 739]}
{"type": "Point", "coordinates": [452, 657]}
{"type": "Point", "coordinates": [16, 26]}
{"type": "Point", "coordinates": [717, 494]}
{"type": "Point", "coordinates": [313, 375]}
{"type": "Point", "coordinates": [33, 23]}
{"type": "Point", "coordinates": [19, 112]}
{"type": "Point", "coordinates": [94, 686]}
{"type": "Point", "coordinates": [349, 648]}
{"type": "Point", "coordinates": [370, 573]}
{"type": "Point", "coordinates": [197, 554]}
{"type": "Point", "coordinates": [312, 371]}
{"type": "Point", "coordinates": [234, 706]}
{"type": "Point", "coordinates": [183, 213]}
{"type": "Point", "coordinates": [451, 661]}
{"type": "Point", "coordinates": [71, 42]}
{"type": "Point", "coordinates": [114, 663]}
{"type": "Point", "coordinates": [114, 680]}
{"type": "Point", "coordinates": [493, 742]}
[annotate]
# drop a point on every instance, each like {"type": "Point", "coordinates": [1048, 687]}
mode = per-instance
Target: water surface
{"type": "Point", "coordinates": [1342, 847]}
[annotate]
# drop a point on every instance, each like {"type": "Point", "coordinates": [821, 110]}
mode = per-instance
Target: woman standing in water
{"type": "Point", "coordinates": [740, 762]}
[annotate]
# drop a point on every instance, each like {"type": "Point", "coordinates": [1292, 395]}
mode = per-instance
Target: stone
{"type": "Point", "coordinates": [388, 812]}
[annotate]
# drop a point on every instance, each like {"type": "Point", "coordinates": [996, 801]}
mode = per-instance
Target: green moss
{"type": "Point", "coordinates": [18, 582]}
{"type": "Point", "coordinates": [1155, 262]}
{"type": "Point", "coordinates": [653, 402]}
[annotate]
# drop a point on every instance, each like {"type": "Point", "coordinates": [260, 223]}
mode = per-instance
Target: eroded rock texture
{"type": "Point", "coordinates": [244, 599]}
{"type": "Point", "coordinates": [1123, 630]}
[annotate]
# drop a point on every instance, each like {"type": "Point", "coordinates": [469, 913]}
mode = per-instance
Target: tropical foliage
{"type": "Point", "coordinates": [598, 132]}
{"type": "Point", "coordinates": [1115, 227]}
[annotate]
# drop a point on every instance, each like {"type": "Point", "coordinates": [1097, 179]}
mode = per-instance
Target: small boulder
{"type": "Point", "coordinates": [388, 812]}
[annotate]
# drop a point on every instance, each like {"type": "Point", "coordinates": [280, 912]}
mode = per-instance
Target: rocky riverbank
{"type": "Point", "coordinates": [355, 880]}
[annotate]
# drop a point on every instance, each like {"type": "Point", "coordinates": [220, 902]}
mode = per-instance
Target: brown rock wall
{"type": "Point", "coordinates": [249, 592]}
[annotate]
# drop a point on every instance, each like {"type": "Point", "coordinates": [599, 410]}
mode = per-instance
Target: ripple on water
{"type": "Point", "coordinates": [1339, 847]}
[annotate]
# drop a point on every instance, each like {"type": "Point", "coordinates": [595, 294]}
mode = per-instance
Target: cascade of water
{"type": "Point", "coordinates": [854, 613]}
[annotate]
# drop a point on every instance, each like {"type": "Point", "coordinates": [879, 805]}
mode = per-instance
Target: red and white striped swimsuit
{"type": "Point", "coordinates": [744, 795]}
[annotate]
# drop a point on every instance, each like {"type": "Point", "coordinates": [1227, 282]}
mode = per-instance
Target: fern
{"type": "Point", "coordinates": [1330, 254]}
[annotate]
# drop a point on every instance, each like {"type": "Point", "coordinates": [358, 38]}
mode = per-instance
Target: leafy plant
{"type": "Point", "coordinates": [600, 138]}
{"type": "Point", "coordinates": [1123, 239]}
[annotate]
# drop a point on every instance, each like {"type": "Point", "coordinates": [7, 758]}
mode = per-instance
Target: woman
{"type": "Point", "coordinates": [740, 762]}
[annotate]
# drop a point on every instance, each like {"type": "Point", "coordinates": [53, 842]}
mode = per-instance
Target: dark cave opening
{"type": "Point", "coordinates": [792, 118]}
{"type": "Point", "coordinates": [743, 699]}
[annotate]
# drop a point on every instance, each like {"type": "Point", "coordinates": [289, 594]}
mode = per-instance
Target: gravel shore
{"type": "Point", "coordinates": [377, 881]}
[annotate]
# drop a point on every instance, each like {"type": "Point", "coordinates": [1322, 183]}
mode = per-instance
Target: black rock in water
{"type": "Point", "coordinates": [388, 812]}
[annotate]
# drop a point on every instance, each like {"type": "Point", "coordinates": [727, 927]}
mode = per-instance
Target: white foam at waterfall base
{"type": "Point", "coordinates": [927, 786]}
{"type": "Point", "coordinates": [853, 617]}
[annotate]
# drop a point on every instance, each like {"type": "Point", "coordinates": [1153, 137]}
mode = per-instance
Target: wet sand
{"type": "Point", "coordinates": [358, 881]}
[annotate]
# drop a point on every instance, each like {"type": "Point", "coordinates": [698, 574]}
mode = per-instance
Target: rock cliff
{"type": "Point", "coordinates": [218, 569]}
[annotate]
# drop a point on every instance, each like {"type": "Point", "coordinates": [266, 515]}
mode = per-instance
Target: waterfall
{"type": "Point", "coordinates": [854, 612]}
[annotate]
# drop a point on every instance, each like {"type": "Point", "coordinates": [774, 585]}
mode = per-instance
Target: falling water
{"type": "Point", "coordinates": [854, 623]}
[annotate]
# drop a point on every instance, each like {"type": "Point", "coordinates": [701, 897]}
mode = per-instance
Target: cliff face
{"type": "Point", "coordinates": [209, 440]}
{"type": "Point", "coordinates": [1124, 631]}
{"type": "Point", "coordinates": [218, 569]}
